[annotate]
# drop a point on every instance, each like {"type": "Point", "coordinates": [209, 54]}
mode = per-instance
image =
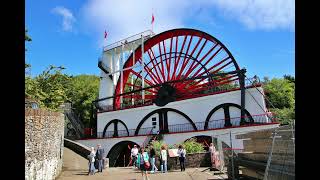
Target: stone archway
{"type": "Point", "coordinates": [119, 154]}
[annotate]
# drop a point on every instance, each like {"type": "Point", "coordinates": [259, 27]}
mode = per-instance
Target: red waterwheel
{"type": "Point", "coordinates": [176, 55]}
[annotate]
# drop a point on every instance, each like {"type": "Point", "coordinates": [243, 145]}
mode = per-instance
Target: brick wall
{"type": "Point", "coordinates": [44, 132]}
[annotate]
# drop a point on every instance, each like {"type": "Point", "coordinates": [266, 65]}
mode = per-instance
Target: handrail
{"type": "Point", "coordinates": [140, 103]}
{"type": "Point", "coordinates": [118, 43]}
{"type": "Point", "coordinates": [77, 124]}
{"type": "Point", "coordinates": [213, 124]}
{"type": "Point", "coordinates": [147, 139]}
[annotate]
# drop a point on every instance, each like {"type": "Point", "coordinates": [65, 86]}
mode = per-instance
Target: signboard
{"type": "Point", "coordinates": [173, 152]}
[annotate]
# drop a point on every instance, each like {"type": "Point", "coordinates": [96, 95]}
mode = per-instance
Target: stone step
{"type": "Point", "coordinates": [277, 158]}
{"type": "Point", "coordinates": [256, 134]}
{"type": "Point", "coordinates": [252, 173]}
{"type": "Point", "coordinates": [267, 148]}
{"type": "Point", "coordinates": [282, 131]}
{"type": "Point", "coordinates": [264, 145]}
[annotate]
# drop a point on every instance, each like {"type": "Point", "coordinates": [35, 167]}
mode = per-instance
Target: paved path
{"type": "Point", "coordinates": [76, 167]}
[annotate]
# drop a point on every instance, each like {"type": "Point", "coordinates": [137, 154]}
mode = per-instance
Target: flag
{"type": "Point", "coordinates": [152, 19]}
{"type": "Point", "coordinates": [105, 34]}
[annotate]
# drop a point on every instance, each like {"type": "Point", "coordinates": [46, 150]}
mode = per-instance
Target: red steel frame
{"type": "Point", "coordinates": [178, 63]}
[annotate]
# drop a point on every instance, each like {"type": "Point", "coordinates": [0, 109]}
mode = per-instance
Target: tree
{"type": "Point", "coordinates": [82, 90]}
{"type": "Point", "coordinates": [54, 86]}
{"type": "Point", "coordinates": [289, 78]}
{"type": "Point", "coordinates": [49, 88]}
{"type": "Point", "coordinates": [27, 38]}
{"type": "Point", "coordinates": [281, 94]}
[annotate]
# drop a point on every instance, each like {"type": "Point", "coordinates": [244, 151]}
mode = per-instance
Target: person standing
{"type": "Point", "coordinates": [153, 160]}
{"type": "Point", "coordinates": [91, 158]}
{"type": "Point", "coordinates": [163, 155]}
{"type": "Point", "coordinates": [134, 153]}
{"type": "Point", "coordinates": [100, 156]}
{"type": "Point", "coordinates": [143, 161]}
{"type": "Point", "coordinates": [215, 160]}
{"type": "Point", "coordinates": [182, 157]}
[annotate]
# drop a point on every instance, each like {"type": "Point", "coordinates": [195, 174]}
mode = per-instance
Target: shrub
{"type": "Point", "coordinates": [192, 146]}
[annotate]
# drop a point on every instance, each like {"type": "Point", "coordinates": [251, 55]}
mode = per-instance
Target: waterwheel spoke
{"type": "Point", "coordinates": [186, 58]}
{"type": "Point", "coordinates": [169, 66]}
{"type": "Point", "coordinates": [149, 71]}
{"type": "Point", "coordinates": [152, 61]}
{"type": "Point", "coordinates": [156, 66]}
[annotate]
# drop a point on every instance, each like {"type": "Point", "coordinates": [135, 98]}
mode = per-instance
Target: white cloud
{"type": "Point", "coordinates": [67, 17]}
{"type": "Point", "coordinates": [122, 18]}
{"type": "Point", "coordinates": [260, 14]}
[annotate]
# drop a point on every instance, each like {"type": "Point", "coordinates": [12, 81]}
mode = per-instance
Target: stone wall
{"type": "Point", "coordinates": [194, 160]}
{"type": "Point", "coordinates": [44, 132]}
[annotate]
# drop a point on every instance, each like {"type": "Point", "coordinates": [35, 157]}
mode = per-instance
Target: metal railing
{"type": "Point", "coordinates": [147, 34]}
{"type": "Point", "coordinates": [140, 103]}
{"type": "Point", "coordinates": [186, 127]}
{"type": "Point", "coordinates": [76, 122]}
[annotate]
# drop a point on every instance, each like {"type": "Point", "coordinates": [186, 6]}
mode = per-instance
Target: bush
{"type": "Point", "coordinates": [284, 116]}
{"type": "Point", "coordinates": [192, 146]}
{"type": "Point", "coordinates": [157, 146]}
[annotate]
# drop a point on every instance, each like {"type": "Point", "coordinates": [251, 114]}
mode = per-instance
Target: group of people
{"type": "Point", "coordinates": [145, 160]}
{"type": "Point", "coordinates": [96, 160]}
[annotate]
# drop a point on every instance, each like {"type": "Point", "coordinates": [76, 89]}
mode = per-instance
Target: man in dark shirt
{"type": "Point", "coordinates": [100, 156]}
{"type": "Point", "coordinates": [153, 159]}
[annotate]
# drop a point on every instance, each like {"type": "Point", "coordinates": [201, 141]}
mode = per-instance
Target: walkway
{"type": "Point", "coordinates": [75, 167]}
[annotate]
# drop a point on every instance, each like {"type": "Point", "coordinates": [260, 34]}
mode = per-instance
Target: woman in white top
{"type": "Point", "coordinates": [182, 157]}
{"type": "Point", "coordinates": [163, 156]}
{"type": "Point", "coordinates": [91, 158]}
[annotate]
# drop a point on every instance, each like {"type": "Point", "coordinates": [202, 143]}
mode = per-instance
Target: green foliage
{"type": "Point", "coordinates": [82, 91]}
{"type": "Point", "coordinates": [192, 146]}
{"type": "Point", "coordinates": [280, 93]}
{"type": "Point", "coordinates": [285, 115]}
{"type": "Point", "coordinates": [289, 78]}
{"type": "Point", "coordinates": [26, 36]}
{"type": "Point", "coordinates": [157, 146]}
{"type": "Point", "coordinates": [49, 87]}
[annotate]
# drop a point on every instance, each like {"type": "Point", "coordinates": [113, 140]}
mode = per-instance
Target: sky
{"type": "Point", "coordinates": [260, 34]}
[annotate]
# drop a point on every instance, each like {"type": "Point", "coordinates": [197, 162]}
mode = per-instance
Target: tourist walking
{"type": "Point", "coordinates": [153, 160]}
{"type": "Point", "coordinates": [143, 161]}
{"type": "Point", "coordinates": [100, 156]}
{"type": "Point", "coordinates": [182, 157]}
{"type": "Point", "coordinates": [163, 157]}
{"type": "Point", "coordinates": [91, 158]}
{"type": "Point", "coordinates": [134, 153]}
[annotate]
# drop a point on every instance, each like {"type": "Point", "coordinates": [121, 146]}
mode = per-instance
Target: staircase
{"type": "Point", "coordinates": [150, 137]}
{"type": "Point", "coordinates": [259, 162]}
{"type": "Point", "coordinates": [76, 123]}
